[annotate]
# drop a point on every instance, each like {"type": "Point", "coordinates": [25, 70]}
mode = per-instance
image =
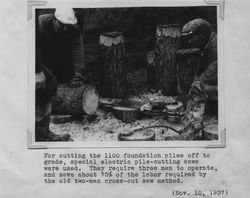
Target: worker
{"type": "Point", "coordinates": [60, 45]}
{"type": "Point", "coordinates": [46, 87]}
{"type": "Point", "coordinates": [198, 34]}
{"type": "Point", "coordinates": [59, 58]}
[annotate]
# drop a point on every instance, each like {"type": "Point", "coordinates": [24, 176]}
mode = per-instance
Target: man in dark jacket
{"type": "Point", "coordinates": [60, 45]}
{"type": "Point", "coordinates": [59, 58]}
{"type": "Point", "coordinates": [199, 35]}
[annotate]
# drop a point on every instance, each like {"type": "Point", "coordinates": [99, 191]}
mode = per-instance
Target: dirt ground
{"type": "Point", "coordinates": [104, 126]}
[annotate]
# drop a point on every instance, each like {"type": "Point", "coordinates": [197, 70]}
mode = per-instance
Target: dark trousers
{"type": "Point", "coordinates": [43, 99]}
{"type": "Point", "coordinates": [203, 88]}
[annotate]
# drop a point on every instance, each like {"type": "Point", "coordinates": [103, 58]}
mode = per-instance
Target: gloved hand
{"type": "Point", "coordinates": [77, 80]}
{"type": "Point", "coordinates": [40, 80]}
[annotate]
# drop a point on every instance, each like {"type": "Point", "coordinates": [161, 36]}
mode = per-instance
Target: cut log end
{"type": "Point", "coordinates": [111, 38]}
{"type": "Point", "coordinates": [75, 101]}
{"type": "Point", "coordinates": [90, 101]}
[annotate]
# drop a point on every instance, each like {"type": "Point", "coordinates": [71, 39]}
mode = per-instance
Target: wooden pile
{"type": "Point", "coordinates": [113, 73]}
{"type": "Point", "coordinates": [167, 38]}
{"type": "Point", "coordinates": [75, 101]}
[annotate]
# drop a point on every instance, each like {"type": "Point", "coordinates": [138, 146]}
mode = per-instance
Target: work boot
{"type": "Point", "coordinates": [43, 134]}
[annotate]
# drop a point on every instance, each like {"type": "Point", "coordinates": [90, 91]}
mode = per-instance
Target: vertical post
{"type": "Point", "coordinates": [113, 73]}
{"type": "Point", "coordinates": [167, 38]}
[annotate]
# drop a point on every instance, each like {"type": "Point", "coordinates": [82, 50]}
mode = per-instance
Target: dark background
{"type": "Point", "coordinates": [138, 26]}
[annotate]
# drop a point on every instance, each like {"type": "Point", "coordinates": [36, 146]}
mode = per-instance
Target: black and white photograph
{"type": "Point", "coordinates": [125, 98]}
{"type": "Point", "coordinates": [126, 74]}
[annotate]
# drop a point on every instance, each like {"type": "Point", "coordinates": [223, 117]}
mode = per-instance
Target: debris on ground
{"type": "Point", "coordinates": [104, 126]}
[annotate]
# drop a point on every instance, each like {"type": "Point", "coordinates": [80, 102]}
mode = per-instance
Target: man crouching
{"type": "Point", "coordinates": [198, 34]}
{"type": "Point", "coordinates": [46, 87]}
{"type": "Point", "coordinates": [59, 58]}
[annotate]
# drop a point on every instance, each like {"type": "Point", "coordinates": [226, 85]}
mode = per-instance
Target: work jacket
{"type": "Point", "coordinates": [61, 52]}
{"type": "Point", "coordinates": [209, 62]}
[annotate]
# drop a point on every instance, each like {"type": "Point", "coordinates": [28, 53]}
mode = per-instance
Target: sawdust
{"type": "Point", "coordinates": [106, 127]}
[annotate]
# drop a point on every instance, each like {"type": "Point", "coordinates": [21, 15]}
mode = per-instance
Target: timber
{"type": "Point", "coordinates": [75, 101]}
{"type": "Point", "coordinates": [167, 40]}
{"type": "Point", "coordinates": [113, 73]}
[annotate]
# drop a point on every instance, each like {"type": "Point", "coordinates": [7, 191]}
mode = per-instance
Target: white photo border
{"type": "Point", "coordinates": [33, 5]}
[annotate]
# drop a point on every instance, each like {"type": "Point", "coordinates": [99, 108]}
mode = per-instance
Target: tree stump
{"type": "Point", "coordinates": [167, 39]}
{"type": "Point", "coordinates": [151, 67]}
{"type": "Point", "coordinates": [187, 61]}
{"type": "Point", "coordinates": [113, 73]}
{"type": "Point", "coordinates": [75, 101]}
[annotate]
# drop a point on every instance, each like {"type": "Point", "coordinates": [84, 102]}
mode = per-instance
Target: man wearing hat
{"type": "Point", "coordinates": [59, 58]}
{"type": "Point", "coordinates": [198, 34]}
{"type": "Point", "coordinates": [60, 46]}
